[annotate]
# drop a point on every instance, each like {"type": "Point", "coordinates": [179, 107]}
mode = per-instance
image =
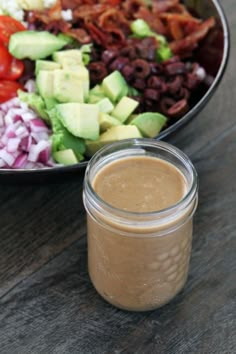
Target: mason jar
{"type": "Point", "coordinates": [138, 260]}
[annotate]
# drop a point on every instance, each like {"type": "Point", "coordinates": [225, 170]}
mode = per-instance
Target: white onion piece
{"type": "Point", "coordinates": [30, 86]}
{"type": "Point", "coordinates": [2, 163]}
{"type": "Point", "coordinates": [7, 157]}
{"type": "Point", "coordinates": [13, 144]}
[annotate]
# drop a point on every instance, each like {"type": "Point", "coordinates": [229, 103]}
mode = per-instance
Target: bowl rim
{"type": "Point", "coordinates": [186, 118]}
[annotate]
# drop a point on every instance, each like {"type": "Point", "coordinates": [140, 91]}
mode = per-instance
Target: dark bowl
{"type": "Point", "coordinates": [213, 55]}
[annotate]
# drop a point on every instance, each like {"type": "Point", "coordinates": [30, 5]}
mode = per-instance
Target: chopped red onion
{"type": "Point", "coordinates": [20, 161]}
{"type": "Point", "coordinates": [36, 149]}
{"type": "Point", "coordinates": [24, 138]}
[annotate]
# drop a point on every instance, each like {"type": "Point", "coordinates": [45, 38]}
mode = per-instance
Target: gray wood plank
{"type": "Point", "coordinates": [37, 223]}
{"type": "Point", "coordinates": [47, 303]}
{"type": "Point", "coordinates": [56, 309]}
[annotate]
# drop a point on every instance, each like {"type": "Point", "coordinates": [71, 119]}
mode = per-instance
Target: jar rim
{"type": "Point", "coordinates": [119, 146]}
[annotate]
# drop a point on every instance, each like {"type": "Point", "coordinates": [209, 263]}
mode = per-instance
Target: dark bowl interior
{"type": "Point", "coordinates": [212, 55]}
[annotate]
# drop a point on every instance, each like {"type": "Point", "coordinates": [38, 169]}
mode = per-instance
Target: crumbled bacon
{"type": "Point", "coordinates": [107, 22]}
{"type": "Point", "coordinates": [189, 42]}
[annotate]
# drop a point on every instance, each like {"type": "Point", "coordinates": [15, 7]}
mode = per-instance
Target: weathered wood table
{"type": "Point", "coordinates": [47, 303]}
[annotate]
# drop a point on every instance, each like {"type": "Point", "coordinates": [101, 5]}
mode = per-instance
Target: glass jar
{"type": "Point", "coordinates": [139, 261]}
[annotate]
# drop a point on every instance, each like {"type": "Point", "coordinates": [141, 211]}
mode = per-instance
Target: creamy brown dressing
{"type": "Point", "coordinates": [140, 184]}
{"type": "Point", "coordinates": [145, 272]}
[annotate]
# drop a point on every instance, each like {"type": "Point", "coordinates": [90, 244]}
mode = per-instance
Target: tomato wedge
{"type": "Point", "coordinates": [16, 69]}
{"type": "Point", "coordinates": [8, 90]}
{"type": "Point", "coordinates": [10, 67]}
{"type": "Point", "coordinates": [5, 61]}
{"type": "Point", "coordinates": [8, 26]}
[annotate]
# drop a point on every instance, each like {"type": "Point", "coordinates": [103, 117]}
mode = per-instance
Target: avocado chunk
{"type": "Point", "coordinates": [120, 132]}
{"type": "Point", "coordinates": [124, 108]}
{"type": "Point", "coordinates": [34, 45]}
{"type": "Point", "coordinates": [35, 102]}
{"type": "Point", "coordinates": [94, 98]}
{"type": "Point", "coordinates": [65, 157]}
{"type": "Point", "coordinates": [97, 90]}
{"type": "Point", "coordinates": [62, 139]}
{"type": "Point", "coordinates": [45, 83]}
{"type": "Point", "coordinates": [113, 134]}
{"type": "Point", "coordinates": [80, 119]}
{"type": "Point", "coordinates": [106, 121]}
{"type": "Point", "coordinates": [105, 105]}
{"type": "Point", "coordinates": [114, 86]}
{"type": "Point", "coordinates": [69, 56]}
{"type": "Point", "coordinates": [131, 118]}
{"type": "Point", "coordinates": [82, 73]}
{"type": "Point", "coordinates": [149, 123]}
{"type": "Point", "coordinates": [45, 65]}
{"type": "Point", "coordinates": [68, 86]}
{"type": "Point", "coordinates": [96, 94]}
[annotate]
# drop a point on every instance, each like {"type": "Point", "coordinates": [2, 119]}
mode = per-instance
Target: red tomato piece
{"type": "Point", "coordinates": [16, 69]}
{"type": "Point", "coordinates": [8, 26]}
{"type": "Point", "coordinates": [8, 89]}
{"type": "Point", "coordinates": [5, 61]}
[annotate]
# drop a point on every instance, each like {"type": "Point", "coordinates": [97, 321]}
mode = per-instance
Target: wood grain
{"type": "Point", "coordinates": [47, 302]}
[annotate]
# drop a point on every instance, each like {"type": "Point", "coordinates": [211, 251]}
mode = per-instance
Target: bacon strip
{"type": "Point", "coordinates": [190, 42]}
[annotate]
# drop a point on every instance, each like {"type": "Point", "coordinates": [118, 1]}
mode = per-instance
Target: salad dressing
{"type": "Point", "coordinates": [139, 234]}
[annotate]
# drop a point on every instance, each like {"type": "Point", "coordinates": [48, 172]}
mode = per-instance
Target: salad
{"type": "Point", "coordinates": [76, 75]}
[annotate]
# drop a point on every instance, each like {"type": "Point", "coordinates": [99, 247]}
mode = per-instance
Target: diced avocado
{"type": "Point", "coordinates": [80, 119]}
{"type": "Point", "coordinates": [105, 105]}
{"type": "Point", "coordinates": [45, 65]}
{"type": "Point", "coordinates": [97, 90]}
{"type": "Point", "coordinates": [113, 134]}
{"type": "Point", "coordinates": [131, 118]}
{"type": "Point", "coordinates": [94, 98]}
{"type": "Point", "coordinates": [65, 157]}
{"type": "Point", "coordinates": [35, 102]}
{"type": "Point", "coordinates": [45, 83]}
{"type": "Point", "coordinates": [72, 56]}
{"type": "Point", "coordinates": [34, 44]}
{"type": "Point", "coordinates": [125, 91]}
{"type": "Point", "coordinates": [114, 86]}
{"type": "Point", "coordinates": [149, 124]}
{"type": "Point", "coordinates": [82, 73]}
{"type": "Point", "coordinates": [106, 122]}
{"type": "Point", "coordinates": [68, 39]}
{"type": "Point", "coordinates": [67, 86]}
{"type": "Point", "coordinates": [121, 132]}
{"type": "Point", "coordinates": [124, 108]}
{"type": "Point", "coordinates": [62, 139]}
